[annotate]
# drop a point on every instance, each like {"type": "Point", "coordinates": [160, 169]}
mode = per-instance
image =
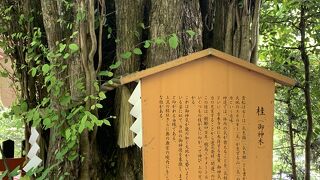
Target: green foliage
{"type": "Point", "coordinates": [73, 47]}
{"type": "Point", "coordinates": [106, 73]}
{"type": "Point", "coordinates": [279, 51]}
{"type": "Point", "coordinates": [137, 51]}
{"type": "Point", "coordinates": [126, 55]}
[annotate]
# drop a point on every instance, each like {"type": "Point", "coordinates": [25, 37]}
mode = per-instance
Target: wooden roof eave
{"type": "Point", "coordinates": [194, 56]}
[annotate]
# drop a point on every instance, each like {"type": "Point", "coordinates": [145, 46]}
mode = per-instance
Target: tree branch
{"type": "Point", "coordinates": [102, 22]}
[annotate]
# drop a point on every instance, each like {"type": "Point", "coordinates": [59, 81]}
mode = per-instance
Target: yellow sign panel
{"type": "Point", "coordinates": [207, 119]}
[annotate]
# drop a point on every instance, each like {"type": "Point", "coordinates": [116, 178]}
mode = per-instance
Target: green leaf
{"type": "Point", "coordinates": [68, 133]}
{"type": "Point", "coordinates": [106, 122]}
{"type": "Point", "coordinates": [30, 115]}
{"type": "Point", "coordinates": [110, 82]}
{"type": "Point", "coordinates": [45, 69]}
{"type": "Point", "coordinates": [93, 117]}
{"type": "Point", "coordinates": [73, 47]}
{"type": "Point", "coordinates": [105, 73]}
{"type": "Point", "coordinates": [142, 25]}
{"type": "Point", "coordinates": [159, 41]}
{"type": "Point", "coordinates": [66, 56]}
{"type": "Point", "coordinates": [73, 156]}
{"type": "Point", "coordinates": [126, 55]}
{"type": "Point", "coordinates": [173, 41]}
{"type": "Point", "coordinates": [24, 106]}
{"type": "Point", "coordinates": [191, 33]}
{"type": "Point", "coordinates": [83, 123]}
{"type": "Point", "coordinates": [74, 34]}
{"type": "Point", "coordinates": [99, 123]}
{"type": "Point", "coordinates": [99, 105]}
{"type": "Point", "coordinates": [137, 51]}
{"type": "Point", "coordinates": [47, 122]}
{"type": "Point", "coordinates": [116, 65]}
{"type": "Point", "coordinates": [109, 30]}
{"type": "Point", "coordinates": [147, 44]}
{"type": "Point", "coordinates": [72, 143]}
{"type": "Point", "coordinates": [36, 115]}
{"type": "Point", "coordinates": [96, 85]}
{"type": "Point", "coordinates": [89, 125]}
{"type": "Point", "coordinates": [62, 47]}
{"type": "Point", "coordinates": [102, 95]}
{"type": "Point", "coordinates": [33, 72]}
{"type": "Point", "coordinates": [65, 100]}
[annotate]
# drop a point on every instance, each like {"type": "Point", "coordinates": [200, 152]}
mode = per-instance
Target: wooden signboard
{"type": "Point", "coordinates": [207, 116]}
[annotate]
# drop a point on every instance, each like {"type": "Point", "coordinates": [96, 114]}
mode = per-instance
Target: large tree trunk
{"type": "Point", "coordinates": [129, 15]}
{"type": "Point", "coordinates": [56, 32]}
{"type": "Point", "coordinates": [235, 26]}
{"type": "Point", "coordinates": [174, 16]}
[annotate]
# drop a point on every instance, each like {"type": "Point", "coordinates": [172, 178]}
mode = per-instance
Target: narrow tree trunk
{"type": "Point", "coordinates": [88, 48]}
{"type": "Point", "coordinates": [306, 62]}
{"type": "Point", "coordinates": [53, 31]}
{"type": "Point", "coordinates": [291, 138]}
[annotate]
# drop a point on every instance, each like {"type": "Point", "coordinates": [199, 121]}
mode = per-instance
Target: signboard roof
{"type": "Point", "coordinates": [208, 52]}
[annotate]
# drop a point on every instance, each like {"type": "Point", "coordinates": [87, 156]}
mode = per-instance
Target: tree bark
{"type": "Point", "coordinates": [55, 32]}
{"type": "Point", "coordinates": [236, 27]}
{"type": "Point", "coordinates": [175, 16]}
{"type": "Point", "coordinates": [129, 15]}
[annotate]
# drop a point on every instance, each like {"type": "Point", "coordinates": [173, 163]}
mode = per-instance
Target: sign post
{"type": "Point", "coordinates": [207, 115]}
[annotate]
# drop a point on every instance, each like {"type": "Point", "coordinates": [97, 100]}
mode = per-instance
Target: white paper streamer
{"type": "Point", "coordinates": [33, 151]}
{"type": "Point", "coordinates": [136, 94]}
{"type": "Point", "coordinates": [136, 126]}
{"type": "Point", "coordinates": [34, 135]}
{"type": "Point", "coordinates": [138, 139]}
{"type": "Point", "coordinates": [136, 111]}
{"type": "Point", "coordinates": [32, 154]}
{"type": "Point", "coordinates": [33, 163]}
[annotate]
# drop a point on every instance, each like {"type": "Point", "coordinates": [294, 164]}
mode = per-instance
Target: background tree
{"type": "Point", "coordinates": [291, 45]}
